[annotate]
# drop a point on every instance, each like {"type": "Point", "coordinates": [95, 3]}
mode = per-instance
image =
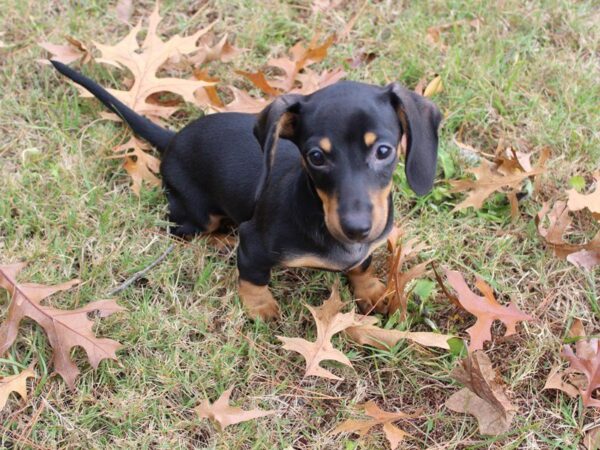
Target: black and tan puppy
{"type": "Point", "coordinates": [308, 180]}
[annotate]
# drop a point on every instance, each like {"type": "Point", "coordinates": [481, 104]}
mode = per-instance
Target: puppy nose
{"type": "Point", "coordinates": [356, 227]}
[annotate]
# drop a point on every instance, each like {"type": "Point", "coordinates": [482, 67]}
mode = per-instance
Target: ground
{"type": "Point", "coordinates": [528, 76]}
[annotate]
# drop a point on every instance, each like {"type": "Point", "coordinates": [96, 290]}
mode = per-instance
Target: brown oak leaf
{"type": "Point", "coordinates": [296, 76]}
{"type": "Point", "coordinates": [221, 413]}
{"type": "Point", "coordinates": [139, 164]}
{"type": "Point", "coordinates": [582, 255]}
{"type": "Point", "coordinates": [330, 321]}
{"type": "Point", "coordinates": [393, 434]}
{"type": "Point", "coordinates": [396, 294]}
{"type": "Point", "coordinates": [485, 308]}
{"type": "Point", "coordinates": [66, 54]}
{"type": "Point", "coordinates": [65, 328]}
{"type": "Point", "coordinates": [590, 201]}
{"type": "Point", "coordinates": [15, 383]}
{"type": "Point", "coordinates": [483, 396]}
{"type": "Point", "coordinates": [586, 362]}
{"type": "Point", "coordinates": [144, 61]}
{"type": "Point", "coordinates": [367, 333]}
{"type": "Point", "coordinates": [493, 177]}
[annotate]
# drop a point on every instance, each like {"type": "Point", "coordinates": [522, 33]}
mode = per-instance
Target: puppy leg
{"type": "Point", "coordinates": [254, 267]}
{"type": "Point", "coordinates": [191, 220]}
{"type": "Point", "coordinates": [368, 290]}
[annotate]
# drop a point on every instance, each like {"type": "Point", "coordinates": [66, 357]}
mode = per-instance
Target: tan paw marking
{"type": "Point", "coordinates": [369, 291]}
{"type": "Point", "coordinates": [258, 301]}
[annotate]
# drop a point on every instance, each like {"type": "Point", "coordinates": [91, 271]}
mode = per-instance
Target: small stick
{"type": "Point", "coordinates": [142, 272]}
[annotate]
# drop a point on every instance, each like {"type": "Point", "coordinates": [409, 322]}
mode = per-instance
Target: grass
{"type": "Point", "coordinates": [528, 76]}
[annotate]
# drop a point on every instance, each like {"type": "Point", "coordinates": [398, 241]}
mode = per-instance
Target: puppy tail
{"type": "Point", "coordinates": [157, 136]}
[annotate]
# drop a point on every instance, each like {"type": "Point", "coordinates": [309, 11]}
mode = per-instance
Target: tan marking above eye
{"type": "Point", "coordinates": [370, 138]}
{"type": "Point", "coordinates": [325, 144]}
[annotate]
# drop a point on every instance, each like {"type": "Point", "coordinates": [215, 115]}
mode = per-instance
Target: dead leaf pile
{"type": "Point", "coordinates": [223, 415]}
{"type": "Point", "coordinates": [15, 383]}
{"type": "Point", "coordinates": [393, 434]}
{"type": "Point", "coordinates": [483, 396]}
{"type": "Point", "coordinates": [506, 174]}
{"type": "Point", "coordinates": [485, 308]}
{"type": "Point", "coordinates": [65, 328]}
{"type": "Point", "coordinates": [397, 281]}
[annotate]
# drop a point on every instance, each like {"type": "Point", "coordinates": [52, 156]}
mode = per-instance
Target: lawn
{"type": "Point", "coordinates": [526, 76]}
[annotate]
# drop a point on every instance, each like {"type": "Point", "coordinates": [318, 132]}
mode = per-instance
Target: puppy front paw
{"type": "Point", "coordinates": [258, 301]}
{"type": "Point", "coordinates": [369, 292]}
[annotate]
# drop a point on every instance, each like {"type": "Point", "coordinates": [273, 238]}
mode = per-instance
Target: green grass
{"type": "Point", "coordinates": [528, 76]}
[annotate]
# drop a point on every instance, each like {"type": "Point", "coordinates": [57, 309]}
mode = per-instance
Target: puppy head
{"type": "Point", "coordinates": [349, 136]}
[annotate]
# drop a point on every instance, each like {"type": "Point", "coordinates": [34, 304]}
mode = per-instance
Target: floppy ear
{"type": "Point", "coordinates": [279, 119]}
{"type": "Point", "coordinates": [419, 119]}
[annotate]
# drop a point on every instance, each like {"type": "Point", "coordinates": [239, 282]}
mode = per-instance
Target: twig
{"type": "Point", "coordinates": [142, 272]}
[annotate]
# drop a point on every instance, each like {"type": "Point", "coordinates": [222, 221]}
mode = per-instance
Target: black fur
{"type": "Point", "coordinates": [215, 167]}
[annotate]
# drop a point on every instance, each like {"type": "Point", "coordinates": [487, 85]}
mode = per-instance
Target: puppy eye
{"type": "Point", "coordinates": [316, 158]}
{"type": "Point", "coordinates": [383, 151]}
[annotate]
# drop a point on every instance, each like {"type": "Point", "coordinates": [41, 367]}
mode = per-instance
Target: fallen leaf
{"type": "Point", "coordinates": [483, 395]}
{"type": "Point", "coordinates": [15, 383]}
{"type": "Point", "coordinates": [434, 33]}
{"type": "Point", "coordinates": [296, 76]}
{"type": "Point", "coordinates": [555, 381]}
{"type": "Point", "coordinates": [65, 328]}
{"type": "Point", "coordinates": [590, 201]}
{"type": "Point", "coordinates": [367, 333]}
{"type": "Point", "coordinates": [493, 177]}
{"type": "Point", "coordinates": [144, 61]}
{"type": "Point", "coordinates": [329, 321]}
{"type": "Point", "coordinates": [207, 51]}
{"type": "Point", "coordinates": [485, 308]}
{"type": "Point", "coordinates": [66, 54]}
{"type": "Point", "coordinates": [393, 434]}
{"type": "Point", "coordinates": [224, 415]}
{"type": "Point", "coordinates": [434, 87]}
{"type": "Point", "coordinates": [396, 294]}
{"type": "Point", "coordinates": [582, 255]}
{"type": "Point", "coordinates": [139, 164]}
{"type": "Point", "coordinates": [586, 361]}
{"type": "Point", "coordinates": [591, 440]}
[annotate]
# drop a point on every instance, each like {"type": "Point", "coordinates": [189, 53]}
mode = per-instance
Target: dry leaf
{"type": "Point", "coordinates": [434, 34]}
{"type": "Point", "coordinates": [296, 76]}
{"type": "Point", "coordinates": [485, 308]}
{"type": "Point", "coordinates": [591, 440]}
{"type": "Point", "coordinates": [140, 165]}
{"type": "Point", "coordinates": [493, 177]}
{"type": "Point", "coordinates": [393, 434]}
{"type": "Point", "coordinates": [329, 321]}
{"type": "Point", "coordinates": [586, 361]}
{"type": "Point", "coordinates": [590, 201]}
{"type": "Point", "coordinates": [15, 383]}
{"type": "Point", "coordinates": [582, 255]}
{"type": "Point", "coordinates": [434, 87]}
{"type": "Point", "coordinates": [555, 381]}
{"type": "Point", "coordinates": [65, 328]}
{"type": "Point", "coordinates": [484, 395]}
{"type": "Point", "coordinates": [207, 52]}
{"type": "Point", "coordinates": [396, 293]}
{"type": "Point", "coordinates": [367, 333]}
{"type": "Point", "coordinates": [224, 415]}
{"type": "Point", "coordinates": [144, 61]}
{"type": "Point", "coordinates": [66, 54]}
